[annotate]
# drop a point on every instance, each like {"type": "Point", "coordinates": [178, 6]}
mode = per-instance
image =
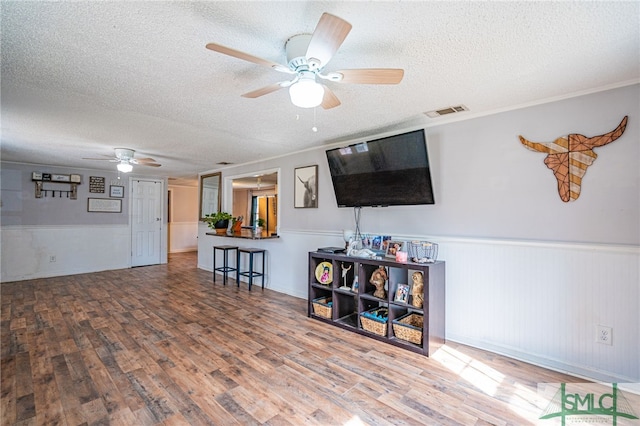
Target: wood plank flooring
{"type": "Point", "coordinates": [163, 345]}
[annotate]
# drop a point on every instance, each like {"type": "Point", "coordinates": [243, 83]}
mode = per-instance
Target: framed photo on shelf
{"type": "Point", "coordinates": [393, 247]}
{"type": "Point", "coordinates": [402, 293]}
{"type": "Point", "coordinates": [385, 242]}
{"type": "Point", "coordinates": [376, 242]}
{"type": "Point", "coordinates": [116, 191]}
{"type": "Point", "coordinates": [305, 187]}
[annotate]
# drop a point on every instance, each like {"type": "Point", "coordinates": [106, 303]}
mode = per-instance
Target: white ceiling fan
{"type": "Point", "coordinates": [125, 159]}
{"type": "Point", "coordinates": [307, 56]}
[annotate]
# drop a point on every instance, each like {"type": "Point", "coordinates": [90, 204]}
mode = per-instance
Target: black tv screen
{"type": "Point", "coordinates": [390, 171]}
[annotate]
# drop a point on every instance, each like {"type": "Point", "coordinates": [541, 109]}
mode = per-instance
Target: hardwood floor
{"type": "Point", "coordinates": [162, 345]}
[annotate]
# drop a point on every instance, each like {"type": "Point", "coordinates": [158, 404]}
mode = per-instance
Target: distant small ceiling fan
{"type": "Point", "coordinates": [307, 55]}
{"type": "Point", "coordinates": [125, 160]}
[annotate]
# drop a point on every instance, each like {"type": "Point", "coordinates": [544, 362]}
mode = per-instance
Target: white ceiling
{"type": "Point", "coordinates": [82, 78]}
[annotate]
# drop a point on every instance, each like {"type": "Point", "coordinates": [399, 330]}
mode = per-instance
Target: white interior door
{"type": "Point", "coordinates": [146, 222]}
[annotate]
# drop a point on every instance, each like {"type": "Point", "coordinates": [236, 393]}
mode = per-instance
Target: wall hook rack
{"type": "Point", "coordinates": [41, 178]}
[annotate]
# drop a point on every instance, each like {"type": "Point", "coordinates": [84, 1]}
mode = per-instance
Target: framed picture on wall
{"type": "Point", "coordinates": [116, 191]}
{"type": "Point", "coordinates": [104, 205]}
{"type": "Point", "coordinates": [306, 187]}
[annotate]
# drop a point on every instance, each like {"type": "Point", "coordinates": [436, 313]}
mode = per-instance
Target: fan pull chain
{"type": "Point", "coordinates": [314, 128]}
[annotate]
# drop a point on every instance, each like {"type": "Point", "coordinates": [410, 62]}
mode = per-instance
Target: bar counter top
{"type": "Point", "coordinates": [246, 234]}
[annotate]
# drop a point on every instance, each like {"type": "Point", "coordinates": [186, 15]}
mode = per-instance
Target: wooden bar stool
{"type": "Point", "coordinates": [250, 273]}
{"type": "Point", "coordinates": [225, 269]}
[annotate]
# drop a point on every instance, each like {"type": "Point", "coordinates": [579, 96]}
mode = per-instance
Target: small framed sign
{"type": "Point", "coordinates": [116, 191]}
{"type": "Point", "coordinates": [60, 178]}
{"type": "Point", "coordinates": [104, 205]}
{"type": "Point", "coordinates": [96, 184]}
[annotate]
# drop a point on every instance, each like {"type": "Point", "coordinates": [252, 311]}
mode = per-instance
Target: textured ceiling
{"type": "Point", "coordinates": [82, 78]}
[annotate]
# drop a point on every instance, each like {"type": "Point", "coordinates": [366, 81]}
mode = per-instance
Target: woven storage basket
{"type": "Point", "coordinates": [375, 325]}
{"type": "Point", "coordinates": [409, 327]}
{"type": "Point", "coordinates": [321, 307]}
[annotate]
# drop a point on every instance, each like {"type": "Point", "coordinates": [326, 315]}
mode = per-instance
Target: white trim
{"type": "Point", "coordinates": [62, 227]}
{"type": "Point", "coordinates": [451, 118]}
{"type": "Point", "coordinates": [542, 361]}
{"type": "Point", "coordinates": [599, 247]}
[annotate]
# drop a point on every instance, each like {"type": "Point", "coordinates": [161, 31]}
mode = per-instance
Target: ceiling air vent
{"type": "Point", "coordinates": [445, 111]}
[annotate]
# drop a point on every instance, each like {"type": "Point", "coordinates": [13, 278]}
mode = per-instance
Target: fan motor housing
{"type": "Point", "coordinates": [124, 153]}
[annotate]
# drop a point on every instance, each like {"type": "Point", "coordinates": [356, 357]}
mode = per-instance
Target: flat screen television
{"type": "Point", "coordinates": [391, 171]}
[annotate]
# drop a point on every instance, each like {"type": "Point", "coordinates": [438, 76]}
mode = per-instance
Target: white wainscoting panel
{"type": "Point", "coordinates": [542, 302]}
{"type": "Point", "coordinates": [27, 250]}
{"type": "Point", "coordinates": [183, 236]}
{"type": "Point", "coordinates": [535, 301]}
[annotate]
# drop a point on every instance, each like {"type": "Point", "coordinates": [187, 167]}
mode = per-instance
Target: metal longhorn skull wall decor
{"type": "Point", "coordinates": [569, 156]}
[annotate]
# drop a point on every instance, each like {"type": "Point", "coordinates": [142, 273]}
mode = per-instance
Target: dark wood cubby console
{"type": "Point", "coordinates": [347, 306]}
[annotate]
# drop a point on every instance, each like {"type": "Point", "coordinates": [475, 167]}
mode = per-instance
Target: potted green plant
{"type": "Point", "coordinates": [218, 221]}
{"type": "Point", "coordinates": [257, 229]}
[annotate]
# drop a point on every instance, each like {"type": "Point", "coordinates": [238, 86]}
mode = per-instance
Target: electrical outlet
{"type": "Point", "coordinates": [604, 335]}
{"type": "Point", "coordinates": [52, 259]}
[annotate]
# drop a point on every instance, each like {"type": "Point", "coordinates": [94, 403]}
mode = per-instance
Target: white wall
{"type": "Point", "coordinates": [183, 227]}
{"type": "Point", "coordinates": [183, 237]}
{"type": "Point", "coordinates": [527, 274]}
{"type": "Point", "coordinates": [27, 250]}
{"type": "Point", "coordinates": [21, 207]}
{"type": "Point", "coordinates": [34, 229]}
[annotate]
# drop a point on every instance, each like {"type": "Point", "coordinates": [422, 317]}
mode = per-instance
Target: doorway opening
{"type": "Point", "coordinates": [265, 207]}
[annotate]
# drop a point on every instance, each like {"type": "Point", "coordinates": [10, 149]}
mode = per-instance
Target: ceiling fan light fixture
{"type": "Point", "coordinates": [124, 167]}
{"type": "Point", "coordinates": [306, 93]}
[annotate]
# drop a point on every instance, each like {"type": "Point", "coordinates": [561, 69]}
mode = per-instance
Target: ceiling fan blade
{"type": "Point", "coordinates": [327, 38]}
{"type": "Point", "coordinates": [266, 90]}
{"type": "Point", "coordinates": [329, 100]}
{"type": "Point", "coordinates": [103, 157]}
{"type": "Point", "coordinates": [371, 76]}
{"type": "Point", "coordinates": [145, 160]}
{"type": "Point", "coordinates": [245, 56]}
{"type": "Point", "coordinates": [150, 164]}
